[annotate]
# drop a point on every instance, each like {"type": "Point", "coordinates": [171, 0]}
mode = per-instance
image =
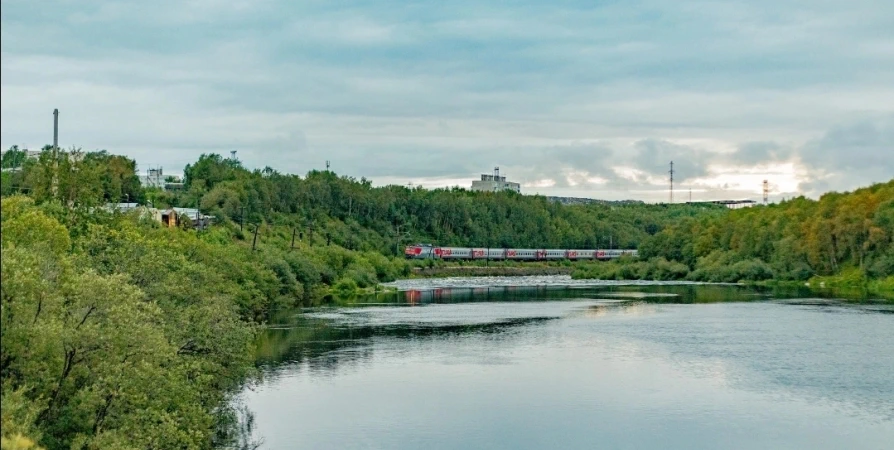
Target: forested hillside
{"type": "Point", "coordinates": [372, 218]}
{"type": "Point", "coordinates": [846, 234]}
{"type": "Point", "coordinates": [359, 216]}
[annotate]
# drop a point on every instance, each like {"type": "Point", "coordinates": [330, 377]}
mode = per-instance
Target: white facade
{"type": "Point", "coordinates": [154, 178]}
{"type": "Point", "coordinates": [494, 183]}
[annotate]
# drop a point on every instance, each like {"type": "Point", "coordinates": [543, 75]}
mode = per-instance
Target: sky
{"type": "Point", "coordinates": [572, 98]}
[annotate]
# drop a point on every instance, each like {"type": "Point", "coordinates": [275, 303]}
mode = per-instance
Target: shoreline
{"type": "Point", "coordinates": [454, 271]}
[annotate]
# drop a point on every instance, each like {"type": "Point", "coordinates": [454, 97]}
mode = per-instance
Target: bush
{"type": "Point", "coordinates": [307, 272]}
{"type": "Point", "coordinates": [385, 269]}
{"type": "Point", "coordinates": [752, 270]}
{"type": "Point", "coordinates": [345, 287]}
{"type": "Point", "coordinates": [882, 266]}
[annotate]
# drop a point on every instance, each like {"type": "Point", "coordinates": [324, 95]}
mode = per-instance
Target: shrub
{"type": "Point", "coordinates": [345, 286]}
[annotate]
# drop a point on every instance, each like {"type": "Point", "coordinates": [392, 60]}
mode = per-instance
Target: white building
{"type": "Point", "coordinates": [154, 178]}
{"type": "Point", "coordinates": [495, 183]}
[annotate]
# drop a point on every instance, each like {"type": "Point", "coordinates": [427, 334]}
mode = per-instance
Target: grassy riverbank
{"type": "Point", "coordinates": [850, 283]}
{"type": "Point", "coordinates": [459, 271]}
{"type": "Point", "coordinates": [438, 268]}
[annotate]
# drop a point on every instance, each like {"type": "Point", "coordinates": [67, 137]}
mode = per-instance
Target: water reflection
{"type": "Point", "coordinates": [305, 335]}
{"type": "Point", "coordinates": [678, 293]}
{"type": "Point", "coordinates": [504, 366]}
{"type": "Point", "coordinates": [320, 344]}
{"type": "Point", "coordinates": [632, 308]}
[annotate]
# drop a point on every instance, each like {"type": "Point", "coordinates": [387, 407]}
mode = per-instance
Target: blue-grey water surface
{"type": "Point", "coordinates": [578, 367]}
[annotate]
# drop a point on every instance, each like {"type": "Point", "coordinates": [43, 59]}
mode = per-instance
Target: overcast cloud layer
{"type": "Point", "coordinates": [589, 99]}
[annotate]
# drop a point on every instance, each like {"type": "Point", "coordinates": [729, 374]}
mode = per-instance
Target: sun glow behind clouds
{"type": "Point", "coordinates": [782, 178]}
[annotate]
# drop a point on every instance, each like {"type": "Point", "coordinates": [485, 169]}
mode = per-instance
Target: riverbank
{"type": "Point", "coordinates": [840, 286]}
{"type": "Point", "coordinates": [851, 283]}
{"type": "Point", "coordinates": [478, 271]}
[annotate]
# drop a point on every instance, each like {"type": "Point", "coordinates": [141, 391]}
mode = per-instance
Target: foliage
{"type": "Point", "coordinates": [13, 158]}
{"type": "Point", "coordinates": [73, 176]}
{"type": "Point", "coordinates": [120, 333]}
{"type": "Point", "coordinates": [843, 239]}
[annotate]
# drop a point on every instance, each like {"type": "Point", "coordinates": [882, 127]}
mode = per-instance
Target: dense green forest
{"type": "Point", "coordinates": [118, 332]}
{"type": "Point", "coordinates": [843, 238]}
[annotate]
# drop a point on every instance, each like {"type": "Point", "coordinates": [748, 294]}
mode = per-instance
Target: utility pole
{"type": "Point", "coordinates": [327, 165]}
{"type": "Point", "coordinates": [766, 192]}
{"type": "Point", "coordinates": [254, 241]}
{"type": "Point", "coordinates": [672, 182]}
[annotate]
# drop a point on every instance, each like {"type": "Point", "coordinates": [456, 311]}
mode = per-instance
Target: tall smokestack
{"type": "Point", "coordinates": [55, 186]}
{"type": "Point", "coordinates": [55, 130]}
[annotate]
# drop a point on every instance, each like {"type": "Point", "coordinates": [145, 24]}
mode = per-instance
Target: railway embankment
{"type": "Point", "coordinates": [477, 271]}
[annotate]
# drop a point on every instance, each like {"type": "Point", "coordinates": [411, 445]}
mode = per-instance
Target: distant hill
{"type": "Point", "coordinates": [592, 201]}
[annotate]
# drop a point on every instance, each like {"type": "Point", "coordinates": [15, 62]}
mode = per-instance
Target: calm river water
{"type": "Point", "coordinates": [569, 365]}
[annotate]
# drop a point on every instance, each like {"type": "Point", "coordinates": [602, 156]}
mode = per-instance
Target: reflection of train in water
{"type": "Point", "coordinates": [428, 251]}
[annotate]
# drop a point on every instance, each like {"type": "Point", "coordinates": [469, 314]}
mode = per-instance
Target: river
{"type": "Point", "coordinates": [558, 364]}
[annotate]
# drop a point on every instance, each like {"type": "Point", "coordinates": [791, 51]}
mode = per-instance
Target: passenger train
{"type": "Point", "coordinates": [428, 251]}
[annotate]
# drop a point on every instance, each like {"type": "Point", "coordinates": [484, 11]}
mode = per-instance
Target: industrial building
{"type": "Point", "coordinates": [495, 183]}
{"type": "Point", "coordinates": [169, 217]}
{"type": "Point", "coordinates": [155, 178]}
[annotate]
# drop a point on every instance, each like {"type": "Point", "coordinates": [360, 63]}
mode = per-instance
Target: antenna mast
{"type": "Point", "coordinates": [672, 182]}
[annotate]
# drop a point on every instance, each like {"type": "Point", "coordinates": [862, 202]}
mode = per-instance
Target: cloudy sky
{"type": "Point", "coordinates": [578, 98]}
